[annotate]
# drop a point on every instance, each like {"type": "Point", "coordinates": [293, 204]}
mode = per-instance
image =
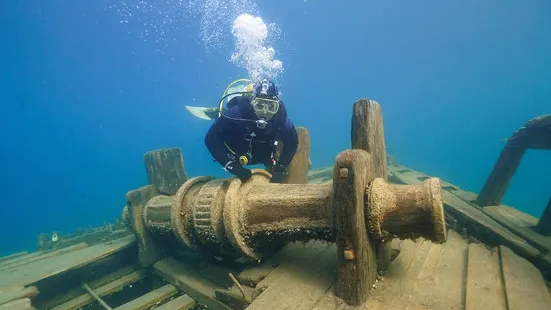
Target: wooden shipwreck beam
{"type": "Point", "coordinates": [359, 211]}
{"type": "Point", "coordinates": [535, 134]}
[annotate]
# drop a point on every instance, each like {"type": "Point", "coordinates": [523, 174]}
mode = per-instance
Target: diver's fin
{"type": "Point", "coordinates": [203, 113]}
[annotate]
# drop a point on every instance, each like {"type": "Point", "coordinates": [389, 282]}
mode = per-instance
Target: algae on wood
{"type": "Point", "coordinates": [48, 267]}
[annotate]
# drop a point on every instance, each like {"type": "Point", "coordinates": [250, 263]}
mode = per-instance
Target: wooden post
{"type": "Point", "coordinates": [165, 170]}
{"type": "Point", "coordinates": [300, 164]}
{"type": "Point", "coordinates": [544, 223]}
{"type": "Point", "coordinates": [357, 266]}
{"type": "Point", "coordinates": [148, 251]}
{"type": "Point", "coordinates": [368, 134]}
{"type": "Point", "coordinates": [498, 181]}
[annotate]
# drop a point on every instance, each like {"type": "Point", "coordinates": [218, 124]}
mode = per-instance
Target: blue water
{"type": "Point", "coordinates": [83, 97]}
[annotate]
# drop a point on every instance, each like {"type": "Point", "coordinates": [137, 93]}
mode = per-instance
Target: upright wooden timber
{"type": "Point", "coordinates": [165, 169]}
{"type": "Point", "coordinates": [367, 133]}
{"type": "Point", "coordinates": [544, 223]}
{"type": "Point", "coordinates": [500, 177]}
{"type": "Point", "coordinates": [297, 172]}
{"type": "Point", "coordinates": [535, 134]}
{"type": "Point", "coordinates": [355, 251]}
{"type": "Point", "coordinates": [149, 252]}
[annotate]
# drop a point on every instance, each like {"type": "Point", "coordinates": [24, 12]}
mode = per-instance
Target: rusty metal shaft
{"type": "Point", "coordinates": [229, 218]}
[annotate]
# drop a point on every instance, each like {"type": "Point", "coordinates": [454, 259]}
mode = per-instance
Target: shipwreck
{"type": "Point", "coordinates": [362, 234]}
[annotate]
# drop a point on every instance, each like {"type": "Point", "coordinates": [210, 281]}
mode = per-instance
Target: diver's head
{"type": "Point", "coordinates": [265, 100]}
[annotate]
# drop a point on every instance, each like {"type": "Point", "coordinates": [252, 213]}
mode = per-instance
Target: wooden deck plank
{"type": "Point", "coordinates": [12, 256]}
{"type": "Point", "coordinates": [154, 297]}
{"type": "Point", "coordinates": [78, 291]}
{"type": "Point", "coordinates": [19, 258]}
{"type": "Point", "coordinates": [524, 284]}
{"type": "Point", "coordinates": [384, 289]}
{"type": "Point", "coordinates": [422, 289]}
{"type": "Point", "coordinates": [44, 268]}
{"type": "Point", "coordinates": [540, 242]}
{"type": "Point", "coordinates": [18, 293]}
{"type": "Point", "coordinates": [19, 304]}
{"type": "Point", "coordinates": [330, 301]}
{"type": "Point", "coordinates": [183, 302]}
{"type": "Point", "coordinates": [190, 281]}
{"type": "Point", "coordinates": [486, 226]}
{"type": "Point", "coordinates": [404, 288]}
{"type": "Point", "coordinates": [517, 217]}
{"type": "Point", "coordinates": [451, 273]}
{"type": "Point", "coordinates": [103, 290]}
{"type": "Point", "coordinates": [485, 288]}
{"type": "Point", "coordinates": [301, 281]}
{"type": "Point", "coordinates": [43, 256]}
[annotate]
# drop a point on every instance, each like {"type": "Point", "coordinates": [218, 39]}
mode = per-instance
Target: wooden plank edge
{"type": "Point", "coordinates": [155, 297]}
{"type": "Point", "coordinates": [18, 293]}
{"type": "Point", "coordinates": [189, 281]}
{"type": "Point", "coordinates": [72, 248]}
{"type": "Point", "coordinates": [18, 304]}
{"type": "Point", "coordinates": [78, 291]}
{"type": "Point", "coordinates": [102, 291]}
{"type": "Point", "coordinates": [182, 302]}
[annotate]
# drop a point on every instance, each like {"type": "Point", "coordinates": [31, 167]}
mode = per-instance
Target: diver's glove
{"type": "Point", "coordinates": [236, 169]}
{"type": "Point", "coordinates": [278, 173]}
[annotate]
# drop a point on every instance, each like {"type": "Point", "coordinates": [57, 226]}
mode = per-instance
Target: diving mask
{"type": "Point", "coordinates": [265, 108]}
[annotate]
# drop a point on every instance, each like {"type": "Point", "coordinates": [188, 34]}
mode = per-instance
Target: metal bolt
{"type": "Point", "coordinates": [349, 254]}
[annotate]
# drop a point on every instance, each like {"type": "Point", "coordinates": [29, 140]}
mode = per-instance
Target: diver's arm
{"type": "Point", "coordinates": [289, 137]}
{"type": "Point", "coordinates": [215, 144]}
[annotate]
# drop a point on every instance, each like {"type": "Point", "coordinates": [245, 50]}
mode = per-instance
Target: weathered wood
{"type": "Point", "coordinates": [385, 289]}
{"type": "Point", "coordinates": [540, 242]}
{"type": "Point", "coordinates": [236, 299]}
{"type": "Point", "coordinates": [19, 304]}
{"type": "Point", "coordinates": [515, 217]}
{"type": "Point", "coordinates": [367, 133]}
{"type": "Point", "coordinates": [189, 281]}
{"type": "Point", "coordinates": [165, 170]}
{"type": "Point", "coordinates": [478, 223]}
{"type": "Point", "coordinates": [544, 224]}
{"type": "Point", "coordinates": [421, 293]}
{"type": "Point", "coordinates": [524, 284]}
{"type": "Point", "coordinates": [21, 258]}
{"type": "Point", "coordinates": [498, 181]}
{"type": "Point", "coordinates": [183, 302]}
{"type": "Point", "coordinates": [18, 293]}
{"type": "Point", "coordinates": [149, 252]}
{"type": "Point", "coordinates": [355, 251]}
{"type": "Point", "coordinates": [305, 274]}
{"type": "Point", "coordinates": [404, 288]}
{"type": "Point", "coordinates": [54, 301]}
{"type": "Point", "coordinates": [535, 134]}
{"type": "Point", "coordinates": [453, 265]}
{"type": "Point", "coordinates": [100, 235]}
{"type": "Point", "coordinates": [154, 297]}
{"type": "Point", "coordinates": [299, 165]}
{"type": "Point", "coordinates": [12, 256]}
{"type": "Point", "coordinates": [485, 288]}
{"type": "Point", "coordinates": [157, 212]}
{"type": "Point", "coordinates": [48, 267]}
{"type": "Point", "coordinates": [15, 264]}
{"type": "Point", "coordinates": [405, 211]}
{"type": "Point", "coordinates": [102, 290]}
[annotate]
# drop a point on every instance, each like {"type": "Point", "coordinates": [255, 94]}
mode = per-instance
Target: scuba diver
{"type": "Point", "coordinates": [247, 131]}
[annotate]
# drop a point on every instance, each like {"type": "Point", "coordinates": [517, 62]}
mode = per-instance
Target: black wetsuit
{"type": "Point", "coordinates": [227, 139]}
